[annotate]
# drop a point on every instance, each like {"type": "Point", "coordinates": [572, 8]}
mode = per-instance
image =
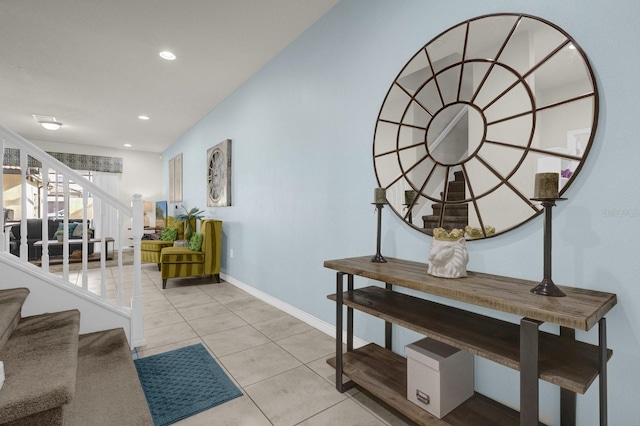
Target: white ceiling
{"type": "Point", "coordinates": [94, 64]}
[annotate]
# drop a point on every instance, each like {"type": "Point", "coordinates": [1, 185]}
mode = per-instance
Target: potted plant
{"type": "Point", "coordinates": [59, 235]}
{"type": "Point", "coordinates": [187, 218]}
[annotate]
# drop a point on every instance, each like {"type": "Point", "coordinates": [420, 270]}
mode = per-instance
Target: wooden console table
{"type": "Point", "coordinates": [556, 358]}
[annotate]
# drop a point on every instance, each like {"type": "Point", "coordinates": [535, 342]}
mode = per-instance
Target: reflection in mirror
{"type": "Point", "coordinates": [475, 114]}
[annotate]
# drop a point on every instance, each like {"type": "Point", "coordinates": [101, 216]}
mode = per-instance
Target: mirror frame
{"type": "Point", "coordinates": [382, 153]}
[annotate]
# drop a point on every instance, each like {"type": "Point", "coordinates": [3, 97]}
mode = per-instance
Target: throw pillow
{"type": "Point", "coordinates": [195, 243]}
{"type": "Point", "coordinates": [168, 234]}
{"type": "Point", "coordinates": [72, 227]}
{"type": "Point", "coordinates": [77, 230]}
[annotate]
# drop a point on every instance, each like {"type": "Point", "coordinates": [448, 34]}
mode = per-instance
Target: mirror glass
{"type": "Point", "coordinates": [475, 114]}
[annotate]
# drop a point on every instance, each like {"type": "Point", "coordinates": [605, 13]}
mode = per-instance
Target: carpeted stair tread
{"type": "Point", "coordinates": [11, 301]}
{"type": "Point", "coordinates": [108, 390]}
{"type": "Point", "coordinates": [40, 362]}
{"type": "Point", "coordinates": [445, 218]}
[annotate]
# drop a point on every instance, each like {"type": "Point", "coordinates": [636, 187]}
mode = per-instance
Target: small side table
{"type": "Point", "coordinates": [181, 243]}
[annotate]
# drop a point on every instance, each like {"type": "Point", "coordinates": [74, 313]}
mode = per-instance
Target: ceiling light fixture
{"type": "Point", "coordinates": [51, 125]}
{"type": "Point", "coordinates": [47, 121]}
{"type": "Point", "coordinates": [128, 145]}
{"type": "Point", "coordinates": [169, 56]}
{"type": "Point", "coordinates": [143, 117]}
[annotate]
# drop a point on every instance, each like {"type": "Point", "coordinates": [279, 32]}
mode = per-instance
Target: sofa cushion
{"type": "Point", "coordinates": [15, 232]}
{"type": "Point", "coordinates": [34, 229]}
{"type": "Point", "coordinates": [168, 234]}
{"type": "Point", "coordinates": [181, 255]}
{"type": "Point", "coordinates": [154, 245]}
{"type": "Point", "coordinates": [172, 222]}
{"type": "Point", "coordinates": [72, 227]}
{"type": "Point", "coordinates": [77, 230]}
{"type": "Point", "coordinates": [195, 243]}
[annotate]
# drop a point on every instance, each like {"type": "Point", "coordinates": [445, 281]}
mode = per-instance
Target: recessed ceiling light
{"type": "Point", "coordinates": [143, 117]}
{"type": "Point", "coordinates": [169, 56]}
{"type": "Point", "coordinates": [128, 145]}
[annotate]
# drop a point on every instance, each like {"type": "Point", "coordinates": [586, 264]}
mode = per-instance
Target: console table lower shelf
{"type": "Point", "coordinates": [384, 374]}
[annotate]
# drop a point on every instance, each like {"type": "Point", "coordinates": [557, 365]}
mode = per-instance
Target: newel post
{"type": "Point", "coordinates": [137, 308]}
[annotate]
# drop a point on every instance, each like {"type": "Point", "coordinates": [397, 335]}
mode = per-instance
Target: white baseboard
{"type": "Point", "coordinates": [314, 322]}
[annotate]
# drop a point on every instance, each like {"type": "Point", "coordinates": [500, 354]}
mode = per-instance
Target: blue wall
{"type": "Point", "coordinates": [303, 179]}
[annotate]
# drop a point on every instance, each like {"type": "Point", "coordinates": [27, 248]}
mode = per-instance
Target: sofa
{"type": "Point", "coordinates": [34, 233]}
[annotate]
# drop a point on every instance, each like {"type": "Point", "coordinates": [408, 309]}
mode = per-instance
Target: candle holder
{"type": "Point", "coordinates": [378, 258]}
{"type": "Point", "coordinates": [546, 286]}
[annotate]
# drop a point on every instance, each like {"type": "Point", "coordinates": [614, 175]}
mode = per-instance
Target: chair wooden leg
{"type": "Point", "coordinates": [164, 284]}
{"type": "Point", "coordinates": [159, 269]}
{"type": "Point", "coordinates": [217, 277]}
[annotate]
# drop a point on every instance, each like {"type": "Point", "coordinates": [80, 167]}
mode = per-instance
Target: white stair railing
{"type": "Point", "coordinates": [129, 216]}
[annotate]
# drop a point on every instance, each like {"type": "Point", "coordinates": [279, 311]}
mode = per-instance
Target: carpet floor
{"type": "Point", "coordinates": [183, 382]}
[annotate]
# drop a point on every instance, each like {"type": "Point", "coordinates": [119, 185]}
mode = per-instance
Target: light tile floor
{"type": "Point", "coordinates": [278, 361]}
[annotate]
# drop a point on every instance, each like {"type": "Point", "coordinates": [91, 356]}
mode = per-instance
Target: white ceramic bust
{"type": "Point", "coordinates": [448, 257]}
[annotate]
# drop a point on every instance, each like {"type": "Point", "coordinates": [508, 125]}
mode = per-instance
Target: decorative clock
{"type": "Point", "coordinates": [219, 175]}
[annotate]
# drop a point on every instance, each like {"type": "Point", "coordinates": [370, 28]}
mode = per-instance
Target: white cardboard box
{"type": "Point", "coordinates": [439, 376]}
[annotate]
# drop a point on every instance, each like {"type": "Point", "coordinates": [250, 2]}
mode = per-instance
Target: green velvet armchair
{"type": "Point", "coordinates": [178, 262]}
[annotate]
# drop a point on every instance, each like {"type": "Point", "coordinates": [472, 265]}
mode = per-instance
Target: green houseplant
{"type": "Point", "coordinates": [187, 218]}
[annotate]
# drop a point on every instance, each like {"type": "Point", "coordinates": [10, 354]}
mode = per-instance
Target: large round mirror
{"type": "Point", "coordinates": [475, 114]}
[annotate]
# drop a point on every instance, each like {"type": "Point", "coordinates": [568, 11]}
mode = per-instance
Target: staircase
{"type": "Point", "coordinates": [455, 215]}
{"type": "Point", "coordinates": [50, 291]}
{"type": "Point", "coordinates": [55, 376]}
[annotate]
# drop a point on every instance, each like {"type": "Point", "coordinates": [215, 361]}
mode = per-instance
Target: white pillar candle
{"type": "Point", "coordinates": [546, 185]}
{"type": "Point", "coordinates": [380, 196]}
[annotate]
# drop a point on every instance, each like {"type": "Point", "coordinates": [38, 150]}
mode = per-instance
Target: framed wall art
{"type": "Point", "coordinates": [219, 175]}
{"type": "Point", "coordinates": [175, 179]}
{"type": "Point", "coordinates": [161, 214]}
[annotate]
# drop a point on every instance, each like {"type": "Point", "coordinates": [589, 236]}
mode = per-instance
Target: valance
{"type": "Point", "coordinates": [95, 163]}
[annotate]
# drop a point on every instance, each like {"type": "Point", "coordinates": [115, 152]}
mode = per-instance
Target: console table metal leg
{"type": "Point", "coordinates": [388, 327]}
{"type": "Point", "coordinates": [339, 280]}
{"type": "Point", "coordinates": [341, 387]}
{"type": "Point", "coordinates": [567, 398]}
{"type": "Point", "coordinates": [602, 337]}
{"type": "Point", "coordinates": [349, 316]}
{"type": "Point", "coordinates": [529, 372]}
